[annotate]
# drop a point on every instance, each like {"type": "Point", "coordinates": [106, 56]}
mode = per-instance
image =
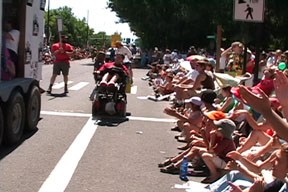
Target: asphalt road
{"type": "Point", "coordinates": [70, 152]}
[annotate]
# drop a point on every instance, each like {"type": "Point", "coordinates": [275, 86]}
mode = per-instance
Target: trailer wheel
{"type": "Point", "coordinates": [15, 118]}
{"type": "Point", "coordinates": [1, 125]}
{"type": "Point", "coordinates": [33, 109]}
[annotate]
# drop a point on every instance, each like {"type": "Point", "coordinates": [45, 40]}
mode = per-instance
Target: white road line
{"type": "Point", "coordinates": [134, 89]}
{"type": "Point", "coordinates": [89, 115]}
{"type": "Point", "coordinates": [78, 86]}
{"type": "Point", "coordinates": [60, 85]}
{"type": "Point", "coordinates": [65, 114]}
{"type": "Point", "coordinates": [151, 119]}
{"type": "Point", "coordinates": [65, 168]}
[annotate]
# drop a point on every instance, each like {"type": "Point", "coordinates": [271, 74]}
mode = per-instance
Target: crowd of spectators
{"type": "Point", "coordinates": [236, 133]}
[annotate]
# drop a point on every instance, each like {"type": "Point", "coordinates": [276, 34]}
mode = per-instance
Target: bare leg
{"type": "Point", "coordinates": [191, 155]}
{"type": "Point", "coordinates": [53, 78]}
{"type": "Point", "coordinates": [114, 78]}
{"type": "Point", "coordinates": [106, 77]}
{"type": "Point", "coordinates": [254, 137]}
{"type": "Point", "coordinates": [180, 156]}
{"type": "Point", "coordinates": [208, 159]}
{"type": "Point", "coordinates": [65, 78]}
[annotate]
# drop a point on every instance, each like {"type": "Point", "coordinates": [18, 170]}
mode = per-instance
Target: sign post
{"type": "Point", "coordinates": [60, 27]}
{"type": "Point", "coordinates": [249, 10]}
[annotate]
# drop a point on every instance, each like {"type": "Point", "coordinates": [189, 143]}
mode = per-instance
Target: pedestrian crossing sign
{"type": "Point", "coordinates": [249, 10]}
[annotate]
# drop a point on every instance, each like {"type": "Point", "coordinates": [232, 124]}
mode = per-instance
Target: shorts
{"type": "Point", "coordinates": [218, 162]}
{"type": "Point", "coordinates": [61, 67]}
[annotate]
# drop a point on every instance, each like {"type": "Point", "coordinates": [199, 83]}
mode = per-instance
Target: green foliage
{"type": "Point", "coordinates": [76, 29]}
{"type": "Point", "coordinates": [181, 23]}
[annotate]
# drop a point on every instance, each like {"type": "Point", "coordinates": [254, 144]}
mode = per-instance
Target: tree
{"type": "Point", "coordinates": [181, 23]}
{"type": "Point", "coordinates": [75, 28]}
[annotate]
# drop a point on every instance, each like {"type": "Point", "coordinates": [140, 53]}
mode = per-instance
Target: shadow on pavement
{"type": "Point", "coordinates": [110, 121]}
{"type": "Point", "coordinates": [7, 149]}
{"type": "Point", "coordinates": [57, 94]}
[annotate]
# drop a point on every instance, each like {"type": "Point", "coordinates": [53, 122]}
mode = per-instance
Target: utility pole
{"type": "Point", "coordinates": [48, 24]}
{"type": "Point", "coordinates": [87, 42]}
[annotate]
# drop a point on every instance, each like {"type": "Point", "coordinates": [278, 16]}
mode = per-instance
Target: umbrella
{"type": "Point", "coordinates": [195, 57]}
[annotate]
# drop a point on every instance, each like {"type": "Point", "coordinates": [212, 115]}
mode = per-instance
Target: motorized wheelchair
{"type": "Point", "coordinates": [109, 101]}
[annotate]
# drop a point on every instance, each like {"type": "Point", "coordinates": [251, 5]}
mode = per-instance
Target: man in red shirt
{"type": "Point", "coordinates": [62, 52]}
{"type": "Point", "coordinates": [113, 71]}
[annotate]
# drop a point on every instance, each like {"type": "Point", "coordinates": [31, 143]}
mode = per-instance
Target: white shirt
{"type": "Point", "coordinates": [13, 44]}
{"type": "Point", "coordinates": [126, 51]}
{"type": "Point", "coordinates": [192, 75]}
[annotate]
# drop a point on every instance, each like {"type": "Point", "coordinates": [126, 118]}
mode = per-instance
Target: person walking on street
{"type": "Point", "coordinates": [62, 52]}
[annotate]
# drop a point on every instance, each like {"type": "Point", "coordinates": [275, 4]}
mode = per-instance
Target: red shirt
{"type": "Point", "coordinates": [251, 67]}
{"type": "Point", "coordinates": [61, 57]}
{"type": "Point", "coordinates": [111, 65]}
{"type": "Point", "coordinates": [224, 146]}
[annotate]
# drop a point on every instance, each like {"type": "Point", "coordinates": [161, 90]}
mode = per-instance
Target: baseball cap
{"type": "Point", "coordinates": [226, 127]}
{"type": "Point", "coordinates": [194, 100]}
{"type": "Point", "coordinates": [215, 115]}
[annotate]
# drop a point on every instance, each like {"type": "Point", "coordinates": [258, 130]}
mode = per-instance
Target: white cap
{"type": "Point", "coordinates": [194, 100]}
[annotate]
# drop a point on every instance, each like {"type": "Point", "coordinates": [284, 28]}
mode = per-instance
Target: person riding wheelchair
{"type": "Point", "coordinates": [113, 72]}
{"type": "Point", "coordinates": [111, 80]}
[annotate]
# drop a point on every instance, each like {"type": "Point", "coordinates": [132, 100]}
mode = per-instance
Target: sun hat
{"type": "Point", "coordinates": [215, 115]}
{"type": "Point", "coordinates": [226, 127]}
{"type": "Point", "coordinates": [194, 100]}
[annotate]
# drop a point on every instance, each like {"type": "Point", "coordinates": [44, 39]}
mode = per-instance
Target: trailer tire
{"type": "Point", "coordinates": [14, 119]}
{"type": "Point", "coordinates": [33, 109]}
{"type": "Point", "coordinates": [1, 126]}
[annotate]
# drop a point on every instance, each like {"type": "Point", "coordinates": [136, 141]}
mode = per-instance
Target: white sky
{"type": "Point", "coordinates": [100, 18]}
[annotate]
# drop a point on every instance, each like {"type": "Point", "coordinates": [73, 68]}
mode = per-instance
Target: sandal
{"type": "Point", "coordinates": [170, 169]}
{"type": "Point", "coordinates": [165, 163]}
{"type": "Point", "coordinates": [183, 147]}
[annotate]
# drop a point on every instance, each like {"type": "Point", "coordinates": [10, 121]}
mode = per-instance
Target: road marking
{"type": "Point", "coordinates": [65, 114]}
{"type": "Point", "coordinates": [65, 168]}
{"type": "Point", "coordinates": [78, 86]}
{"type": "Point", "coordinates": [151, 119]}
{"type": "Point", "coordinates": [60, 85]}
{"type": "Point", "coordinates": [134, 89]}
{"type": "Point", "coordinates": [89, 115]}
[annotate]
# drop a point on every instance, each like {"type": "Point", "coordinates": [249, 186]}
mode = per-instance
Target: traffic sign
{"type": "Point", "coordinates": [249, 10]}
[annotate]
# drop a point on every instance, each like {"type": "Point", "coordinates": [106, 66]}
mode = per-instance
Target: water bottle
{"type": "Point", "coordinates": [184, 169]}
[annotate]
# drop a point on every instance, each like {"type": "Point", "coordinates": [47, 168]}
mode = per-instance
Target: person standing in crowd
{"type": "Point", "coordinates": [62, 52]}
{"type": "Point", "coordinates": [121, 49]}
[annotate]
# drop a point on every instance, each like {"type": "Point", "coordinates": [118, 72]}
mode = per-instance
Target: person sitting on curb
{"type": "Point", "coordinates": [214, 153]}
{"type": "Point", "coordinates": [190, 120]}
{"type": "Point", "coordinates": [112, 72]}
{"type": "Point", "coordinates": [202, 81]}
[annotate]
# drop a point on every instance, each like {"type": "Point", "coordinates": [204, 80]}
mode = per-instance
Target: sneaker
{"type": "Point", "coordinates": [111, 84]}
{"type": "Point", "coordinates": [103, 83]}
